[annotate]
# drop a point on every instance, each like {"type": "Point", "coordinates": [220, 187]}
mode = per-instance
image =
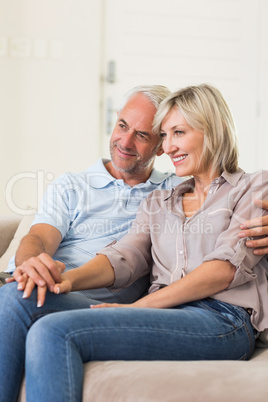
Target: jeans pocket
{"type": "Point", "coordinates": [223, 310]}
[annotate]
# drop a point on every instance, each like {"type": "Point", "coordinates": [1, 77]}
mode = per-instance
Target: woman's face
{"type": "Point", "coordinates": [183, 144]}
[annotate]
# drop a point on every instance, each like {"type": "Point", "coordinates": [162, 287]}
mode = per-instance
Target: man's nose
{"type": "Point", "coordinates": [128, 139]}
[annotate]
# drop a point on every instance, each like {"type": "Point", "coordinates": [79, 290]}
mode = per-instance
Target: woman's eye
{"type": "Point", "coordinates": [163, 135]}
{"type": "Point", "coordinates": [178, 132]}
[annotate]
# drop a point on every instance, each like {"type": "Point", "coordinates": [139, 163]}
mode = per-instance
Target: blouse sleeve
{"type": "Point", "coordinates": [131, 256]}
{"type": "Point", "coordinates": [228, 246]}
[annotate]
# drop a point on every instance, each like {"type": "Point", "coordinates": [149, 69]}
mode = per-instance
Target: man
{"type": "Point", "coordinates": [82, 213]}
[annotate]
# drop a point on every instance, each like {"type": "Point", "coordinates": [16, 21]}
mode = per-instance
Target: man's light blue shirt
{"type": "Point", "coordinates": [91, 209]}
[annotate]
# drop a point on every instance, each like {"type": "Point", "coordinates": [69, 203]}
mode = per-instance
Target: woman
{"type": "Point", "coordinates": [208, 297]}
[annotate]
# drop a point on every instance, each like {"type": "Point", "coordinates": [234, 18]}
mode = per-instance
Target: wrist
{"type": "Point", "coordinates": [142, 303]}
{"type": "Point", "coordinates": [67, 277]}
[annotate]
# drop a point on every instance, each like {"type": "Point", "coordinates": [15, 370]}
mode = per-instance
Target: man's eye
{"type": "Point", "coordinates": [142, 137]}
{"type": "Point", "coordinates": [122, 125]}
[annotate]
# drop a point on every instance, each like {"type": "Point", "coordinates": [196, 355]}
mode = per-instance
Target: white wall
{"type": "Point", "coordinates": [184, 42]}
{"type": "Point", "coordinates": [263, 84]}
{"type": "Point", "coordinates": [51, 63]}
{"type": "Point", "coordinates": [50, 55]}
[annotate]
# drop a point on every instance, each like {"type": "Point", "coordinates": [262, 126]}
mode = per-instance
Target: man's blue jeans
{"type": "Point", "coordinates": [58, 344]}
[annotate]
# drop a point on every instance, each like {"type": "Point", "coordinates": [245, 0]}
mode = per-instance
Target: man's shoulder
{"type": "Point", "coordinates": [166, 180]}
{"type": "Point", "coordinates": [93, 173]}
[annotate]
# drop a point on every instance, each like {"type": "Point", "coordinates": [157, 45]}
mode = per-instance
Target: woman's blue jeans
{"type": "Point", "coordinates": [58, 344]}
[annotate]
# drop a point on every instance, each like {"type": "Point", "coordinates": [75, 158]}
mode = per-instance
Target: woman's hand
{"type": "Point", "coordinates": [65, 286]}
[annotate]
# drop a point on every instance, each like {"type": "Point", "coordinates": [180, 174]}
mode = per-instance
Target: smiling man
{"type": "Point", "coordinates": [81, 213]}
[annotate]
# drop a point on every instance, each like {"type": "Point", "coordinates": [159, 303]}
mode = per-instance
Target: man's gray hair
{"type": "Point", "coordinates": [155, 93]}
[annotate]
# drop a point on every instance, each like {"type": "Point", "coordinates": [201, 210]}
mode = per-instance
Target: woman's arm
{"type": "Point", "coordinates": [96, 273]}
{"type": "Point", "coordinates": [208, 279]}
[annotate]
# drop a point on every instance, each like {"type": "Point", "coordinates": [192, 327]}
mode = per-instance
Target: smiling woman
{"type": "Point", "coordinates": [183, 144]}
{"type": "Point", "coordinates": [202, 114]}
{"type": "Point", "coordinates": [199, 136]}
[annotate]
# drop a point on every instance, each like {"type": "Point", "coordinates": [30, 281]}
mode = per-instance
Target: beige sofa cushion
{"type": "Point", "coordinates": [8, 226]}
{"type": "Point", "coordinates": [21, 231]}
{"type": "Point", "coordinates": [190, 381]}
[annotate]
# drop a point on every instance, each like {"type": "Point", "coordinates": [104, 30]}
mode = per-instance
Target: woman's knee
{"type": "Point", "coordinates": [42, 338]}
{"type": "Point", "coordinates": [44, 330]}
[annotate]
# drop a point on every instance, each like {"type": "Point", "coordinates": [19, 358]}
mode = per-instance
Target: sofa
{"type": "Point", "coordinates": [143, 381]}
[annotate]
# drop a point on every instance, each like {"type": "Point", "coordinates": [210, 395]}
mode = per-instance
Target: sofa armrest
{"type": "Point", "coordinates": [8, 227]}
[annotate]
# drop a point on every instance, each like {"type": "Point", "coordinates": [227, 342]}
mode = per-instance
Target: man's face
{"type": "Point", "coordinates": [133, 146]}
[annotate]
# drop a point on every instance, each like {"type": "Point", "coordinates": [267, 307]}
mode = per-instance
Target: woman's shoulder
{"type": "Point", "coordinates": [157, 195]}
{"type": "Point", "coordinates": [255, 179]}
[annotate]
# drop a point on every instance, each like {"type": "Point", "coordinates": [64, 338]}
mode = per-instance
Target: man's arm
{"type": "Point", "coordinates": [257, 227]}
{"type": "Point", "coordinates": [34, 256]}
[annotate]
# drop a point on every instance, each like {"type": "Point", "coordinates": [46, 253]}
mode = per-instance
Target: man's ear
{"type": "Point", "coordinates": [160, 151]}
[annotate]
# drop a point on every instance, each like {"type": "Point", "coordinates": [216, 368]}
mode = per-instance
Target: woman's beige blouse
{"type": "Point", "coordinates": [162, 241]}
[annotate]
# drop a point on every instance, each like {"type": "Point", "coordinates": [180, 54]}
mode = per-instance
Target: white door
{"type": "Point", "coordinates": [177, 43]}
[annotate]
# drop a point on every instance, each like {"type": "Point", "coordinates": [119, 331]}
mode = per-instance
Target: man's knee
{"type": "Point", "coordinates": [9, 293]}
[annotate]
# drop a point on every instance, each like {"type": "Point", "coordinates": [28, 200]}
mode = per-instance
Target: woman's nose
{"type": "Point", "coordinates": [169, 146]}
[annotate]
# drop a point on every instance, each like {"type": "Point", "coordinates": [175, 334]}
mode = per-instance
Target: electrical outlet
{"type": "Point", "coordinates": [20, 47]}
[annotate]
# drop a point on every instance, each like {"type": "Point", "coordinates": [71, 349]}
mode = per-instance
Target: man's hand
{"type": "Point", "coordinates": [41, 292]}
{"type": "Point", "coordinates": [43, 271]}
{"type": "Point", "coordinates": [27, 283]}
{"type": "Point", "coordinates": [257, 227]}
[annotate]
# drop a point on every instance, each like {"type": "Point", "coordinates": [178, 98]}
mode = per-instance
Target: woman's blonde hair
{"type": "Point", "coordinates": [205, 109]}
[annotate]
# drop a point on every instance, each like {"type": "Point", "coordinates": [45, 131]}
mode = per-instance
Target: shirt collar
{"type": "Point", "coordinates": [157, 177]}
{"type": "Point", "coordinates": [100, 177]}
{"type": "Point", "coordinates": [233, 178]}
{"type": "Point", "coordinates": [184, 187]}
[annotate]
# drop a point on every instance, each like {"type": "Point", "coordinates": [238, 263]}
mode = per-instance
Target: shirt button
{"type": "Point", "coordinates": [181, 252]}
{"type": "Point", "coordinates": [210, 192]}
{"type": "Point", "coordinates": [217, 181]}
